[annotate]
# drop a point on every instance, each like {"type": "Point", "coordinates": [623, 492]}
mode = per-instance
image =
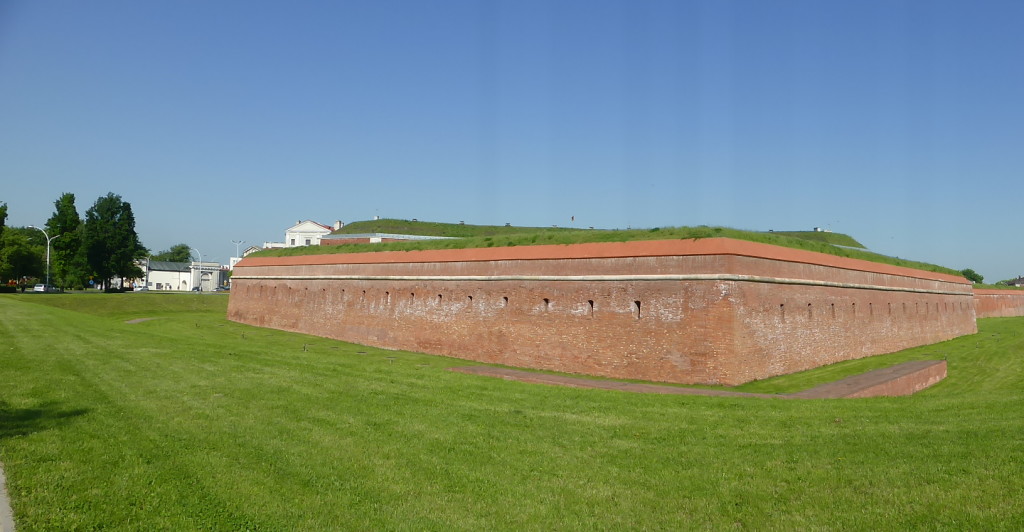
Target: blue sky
{"type": "Point", "coordinates": [899, 123]}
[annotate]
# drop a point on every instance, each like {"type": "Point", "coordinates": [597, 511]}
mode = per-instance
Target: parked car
{"type": "Point", "coordinates": [44, 288]}
{"type": "Point", "coordinates": [221, 289]}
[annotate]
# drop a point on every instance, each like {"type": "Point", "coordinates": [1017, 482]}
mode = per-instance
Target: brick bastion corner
{"type": "Point", "coordinates": [990, 303]}
{"type": "Point", "coordinates": [708, 311]}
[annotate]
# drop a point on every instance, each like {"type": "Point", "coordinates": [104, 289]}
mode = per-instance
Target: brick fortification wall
{"type": "Point", "coordinates": [714, 311]}
{"type": "Point", "coordinates": [998, 303]}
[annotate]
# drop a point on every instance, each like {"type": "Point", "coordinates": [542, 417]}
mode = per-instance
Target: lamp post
{"type": "Point", "coordinates": [48, 240]}
{"type": "Point", "coordinates": [200, 283]}
{"type": "Point", "coordinates": [237, 243]}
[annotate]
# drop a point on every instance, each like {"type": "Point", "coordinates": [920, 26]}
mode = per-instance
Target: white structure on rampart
{"type": "Point", "coordinates": [303, 233]}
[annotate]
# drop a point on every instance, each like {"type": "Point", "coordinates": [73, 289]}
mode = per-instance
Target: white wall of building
{"type": "Point", "coordinates": [303, 233]}
{"type": "Point", "coordinates": [186, 277]}
{"type": "Point", "coordinates": [167, 280]}
{"type": "Point", "coordinates": [306, 233]}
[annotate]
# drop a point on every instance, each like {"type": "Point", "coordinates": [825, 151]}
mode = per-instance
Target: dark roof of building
{"type": "Point", "coordinates": [166, 266]}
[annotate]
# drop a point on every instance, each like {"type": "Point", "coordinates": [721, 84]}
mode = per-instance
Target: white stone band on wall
{"type": "Point", "coordinates": [601, 278]}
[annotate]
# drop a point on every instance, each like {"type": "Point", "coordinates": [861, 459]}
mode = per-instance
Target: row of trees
{"type": "Point", "coordinates": [100, 247]}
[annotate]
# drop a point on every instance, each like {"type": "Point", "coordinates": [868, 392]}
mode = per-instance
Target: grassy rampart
{"type": "Point", "coordinates": [410, 227]}
{"type": "Point", "coordinates": [836, 239]}
{"type": "Point", "coordinates": [474, 237]}
{"type": "Point", "coordinates": [984, 286]}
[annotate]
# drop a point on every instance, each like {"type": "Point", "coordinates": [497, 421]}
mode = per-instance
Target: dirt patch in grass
{"type": "Point", "coordinates": [139, 320]}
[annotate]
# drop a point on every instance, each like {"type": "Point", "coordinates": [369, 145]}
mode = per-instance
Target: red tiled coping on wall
{"type": "Point", "coordinates": [636, 248]}
{"type": "Point", "coordinates": [997, 292]}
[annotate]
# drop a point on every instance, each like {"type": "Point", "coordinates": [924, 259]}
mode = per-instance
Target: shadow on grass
{"type": "Point", "coordinates": [25, 421]}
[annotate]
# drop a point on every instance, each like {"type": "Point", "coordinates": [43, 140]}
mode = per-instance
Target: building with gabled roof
{"type": "Point", "coordinates": [303, 233]}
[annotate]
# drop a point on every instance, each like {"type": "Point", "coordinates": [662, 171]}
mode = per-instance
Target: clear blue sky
{"type": "Point", "coordinates": [899, 123]}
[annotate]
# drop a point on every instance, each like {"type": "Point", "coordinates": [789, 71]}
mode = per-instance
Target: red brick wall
{"type": "Point", "coordinates": [999, 303]}
{"type": "Point", "coordinates": [707, 311]}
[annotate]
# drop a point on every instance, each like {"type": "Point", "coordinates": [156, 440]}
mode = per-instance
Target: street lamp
{"type": "Point", "coordinates": [200, 284]}
{"type": "Point", "coordinates": [48, 240]}
{"type": "Point", "coordinates": [237, 243]}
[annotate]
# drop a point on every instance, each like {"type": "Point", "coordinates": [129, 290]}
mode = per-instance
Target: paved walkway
{"type": "Point", "coordinates": [901, 379]}
{"type": "Point", "coordinates": [6, 515]}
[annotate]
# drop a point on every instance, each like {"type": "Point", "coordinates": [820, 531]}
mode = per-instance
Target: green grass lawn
{"type": "Point", "coordinates": [188, 421]}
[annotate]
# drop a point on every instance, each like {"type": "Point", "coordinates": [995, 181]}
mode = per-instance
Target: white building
{"type": "Point", "coordinates": [303, 233]}
{"type": "Point", "coordinates": [183, 276]}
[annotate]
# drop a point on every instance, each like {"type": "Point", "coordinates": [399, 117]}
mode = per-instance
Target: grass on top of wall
{"type": "Point", "coordinates": [410, 227]}
{"type": "Point", "coordinates": [828, 237]}
{"type": "Point", "coordinates": [602, 235]}
{"type": "Point", "coordinates": [985, 286]}
{"type": "Point", "coordinates": [188, 422]}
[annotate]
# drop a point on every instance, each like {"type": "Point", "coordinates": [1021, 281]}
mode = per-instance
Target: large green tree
{"type": "Point", "coordinates": [110, 241]}
{"type": "Point", "coordinates": [972, 275]}
{"type": "Point", "coordinates": [68, 266]}
{"type": "Point", "coordinates": [177, 253]}
{"type": "Point", "coordinates": [20, 256]}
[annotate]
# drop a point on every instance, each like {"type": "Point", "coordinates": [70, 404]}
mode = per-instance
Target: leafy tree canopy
{"type": "Point", "coordinates": [19, 257]}
{"type": "Point", "coordinates": [65, 217]}
{"type": "Point", "coordinates": [68, 263]}
{"type": "Point", "coordinates": [972, 275]}
{"type": "Point", "coordinates": [178, 253]}
{"type": "Point", "coordinates": [109, 238]}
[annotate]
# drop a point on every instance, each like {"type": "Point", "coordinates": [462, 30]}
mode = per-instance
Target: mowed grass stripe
{"type": "Point", "coordinates": [181, 422]}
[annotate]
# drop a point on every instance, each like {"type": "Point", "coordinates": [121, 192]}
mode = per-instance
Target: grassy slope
{"type": "Point", "coordinates": [836, 239]}
{"type": "Point", "coordinates": [189, 421]}
{"type": "Point", "coordinates": [534, 236]}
